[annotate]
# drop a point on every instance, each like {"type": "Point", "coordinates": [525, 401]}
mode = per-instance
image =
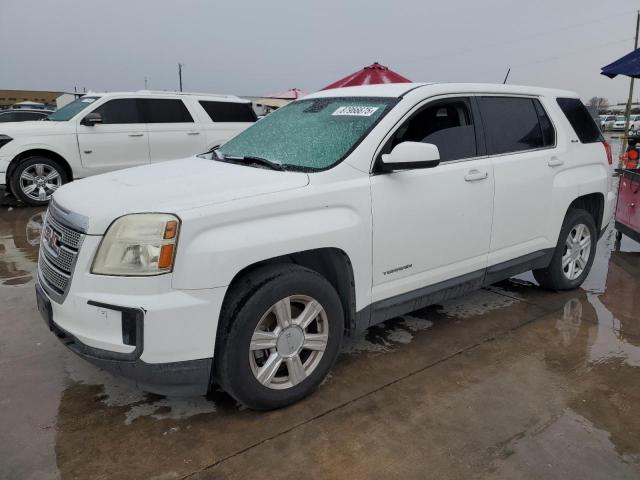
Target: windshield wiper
{"type": "Point", "coordinates": [251, 159]}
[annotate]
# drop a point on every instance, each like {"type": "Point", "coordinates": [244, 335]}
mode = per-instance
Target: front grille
{"type": "Point", "coordinates": [56, 263]}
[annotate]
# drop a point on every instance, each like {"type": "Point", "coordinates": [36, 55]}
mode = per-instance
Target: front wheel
{"type": "Point", "coordinates": [35, 179]}
{"type": "Point", "coordinates": [574, 253]}
{"type": "Point", "coordinates": [279, 337]}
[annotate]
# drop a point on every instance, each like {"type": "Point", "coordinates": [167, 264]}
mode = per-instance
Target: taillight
{"type": "Point", "coordinates": [607, 148]}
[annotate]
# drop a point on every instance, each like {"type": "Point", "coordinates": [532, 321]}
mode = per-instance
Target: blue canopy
{"type": "Point", "coordinates": [628, 65]}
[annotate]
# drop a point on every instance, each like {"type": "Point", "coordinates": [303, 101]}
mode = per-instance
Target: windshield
{"type": "Point", "coordinates": [71, 109]}
{"type": "Point", "coordinates": [310, 134]}
{"type": "Point", "coordinates": [620, 118]}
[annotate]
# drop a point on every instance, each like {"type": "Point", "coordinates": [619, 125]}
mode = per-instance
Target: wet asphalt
{"type": "Point", "coordinates": [510, 382]}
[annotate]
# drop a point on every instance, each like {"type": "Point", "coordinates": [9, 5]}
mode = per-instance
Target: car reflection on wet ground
{"type": "Point", "coordinates": [509, 382]}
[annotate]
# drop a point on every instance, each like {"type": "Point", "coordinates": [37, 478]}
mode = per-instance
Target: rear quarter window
{"type": "Point", "coordinates": [229, 111]}
{"type": "Point", "coordinates": [580, 119]}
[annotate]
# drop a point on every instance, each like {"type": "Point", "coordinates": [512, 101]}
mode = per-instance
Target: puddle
{"type": "Point", "coordinates": [116, 392]}
{"type": "Point", "coordinates": [20, 230]}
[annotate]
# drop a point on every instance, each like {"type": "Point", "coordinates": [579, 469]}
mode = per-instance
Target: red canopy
{"type": "Point", "coordinates": [374, 73]}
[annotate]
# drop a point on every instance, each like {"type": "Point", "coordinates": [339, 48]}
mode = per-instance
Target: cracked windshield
{"type": "Point", "coordinates": [309, 134]}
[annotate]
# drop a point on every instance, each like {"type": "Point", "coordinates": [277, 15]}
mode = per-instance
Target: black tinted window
{"type": "Point", "coordinates": [511, 124]}
{"type": "Point", "coordinates": [229, 112]}
{"type": "Point", "coordinates": [120, 111]}
{"type": "Point", "coordinates": [580, 119]}
{"type": "Point", "coordinates": [7, 117]}
{"type": "Point", "coordinates": [166, 111]}
{"type": "Point", "coordinates": [447, 124]}
{"type": "Point", "coordinates": [548, 132]}
{"type": "Point", "coordinates": [25, 116]}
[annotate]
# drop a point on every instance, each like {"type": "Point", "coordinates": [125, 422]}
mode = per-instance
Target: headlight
{"type": "Point", "coordinates": [4, 139]}
{"type": "Point", "coordinates": [139, 244]}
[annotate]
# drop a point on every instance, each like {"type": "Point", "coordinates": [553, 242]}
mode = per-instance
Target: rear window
{"type": "Point", "coordinates": [229, 111]}
{"type": "Point", "coordinates": [580, 119]}
{"type": "Point", "coordinates": [166, 111]}
{"type": "Point", "coordinates": [515, 124]}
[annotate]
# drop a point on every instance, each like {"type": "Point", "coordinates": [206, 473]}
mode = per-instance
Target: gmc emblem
{"type": "Point", "coordinates": [51, 239]}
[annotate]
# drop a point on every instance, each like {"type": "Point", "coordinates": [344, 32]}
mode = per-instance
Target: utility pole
{"type": "Point", "coordinates": [627, 112]}
{"type": "Point", "coordinates": [180, 74]}
{"type": "Point", "coordinates": [146, 84]}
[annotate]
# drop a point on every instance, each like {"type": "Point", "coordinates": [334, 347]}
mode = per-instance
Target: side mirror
{"type": "Point", "coordinates": [91, 119]}
{"type": "Point", "coordinates": [410, 155]}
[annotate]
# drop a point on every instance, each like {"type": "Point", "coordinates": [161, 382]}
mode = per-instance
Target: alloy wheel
{"type": "Point", "coordinates": [577, 250]}
{"type": "Point", "coordinates": [39, 181]}
{"type": "Point", "coordinates": [289, 342]}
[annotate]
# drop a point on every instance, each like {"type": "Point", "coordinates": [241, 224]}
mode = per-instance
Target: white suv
{"type": "Point", "coordinates": [103, 132]}
{"type": "Point", "coordinates": [245, 267]}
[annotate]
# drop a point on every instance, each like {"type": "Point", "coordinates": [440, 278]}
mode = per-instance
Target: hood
{"type": "Point", "coordinates": [169, 187]}
{"type": "Point", "coordinates": [35, 128]}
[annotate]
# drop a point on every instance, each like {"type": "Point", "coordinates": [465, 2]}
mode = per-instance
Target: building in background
{"type": "Point", "coordinates": [50, 99]}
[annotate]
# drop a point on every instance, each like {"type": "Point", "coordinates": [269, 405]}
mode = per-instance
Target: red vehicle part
{"type": "Point", "coordinates": [628, 208]}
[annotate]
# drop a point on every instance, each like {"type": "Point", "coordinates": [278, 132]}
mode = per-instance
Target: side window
{"type": "Point", "coordinates": [511, 124]}
{"type": "Point", "coordinates": [548, 132]}
{"type": "Point", "coordinates": [229, 111]}
{"type": "Point", "coordinates": [7, 117]}
{"type": "Point", "coordinates": [580, 119]}
{"type": "Point", "coordinates": [448, 124]}
{"type": "Point", "coordinates": [166, 111]}
{"type": "Point", "coordinates": [32, 116]}
{"type": "Point", "coordinates": [119, 111]}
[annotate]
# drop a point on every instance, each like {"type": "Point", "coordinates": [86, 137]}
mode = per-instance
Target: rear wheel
{"type": "Point", "coordinates": [35, 179]}
{"type": "Point", "coordinates": [573, 255]}
{"type": "Point", "coordinates": [280, 336]}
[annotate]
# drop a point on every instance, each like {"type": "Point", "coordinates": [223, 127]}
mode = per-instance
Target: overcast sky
{"type": "Point", "coordinates": [258, 47]}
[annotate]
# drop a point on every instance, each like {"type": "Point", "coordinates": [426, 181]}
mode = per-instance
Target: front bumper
{"type": "Point", "coordinates": [190, 377]}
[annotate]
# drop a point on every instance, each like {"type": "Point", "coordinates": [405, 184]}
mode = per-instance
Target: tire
{"type": "Point", "coordinates": [44, 177]}
{"type": "Point", "coordinates": [559, 277]}
{"type": "Point", "coordinates": [258, 303]}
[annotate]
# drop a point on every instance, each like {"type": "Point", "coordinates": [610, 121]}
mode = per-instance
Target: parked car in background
{"type": "Point", "coordinates": [244, 267]}
{"type": "Point", "coordinates": [101, 132]}
{"type": "Point", "coordinates": [618, 125]}
{"type": "Point", "coordinates": [23, 115]}
{"type": "Point", "coordinates": [607, 121]}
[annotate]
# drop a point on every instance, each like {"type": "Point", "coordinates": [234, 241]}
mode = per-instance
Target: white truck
{"type": "Point", "coordinates": [101, 132]}
{"type": "Point", "coordinates": [245, 267]}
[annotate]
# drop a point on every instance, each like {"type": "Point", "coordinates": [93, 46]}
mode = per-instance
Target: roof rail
{"type": "Point", "coordinates": [186, 93]}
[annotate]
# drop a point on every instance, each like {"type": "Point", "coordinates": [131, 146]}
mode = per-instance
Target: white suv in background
{"type": "Point", "coordinates": [244, 267]}
{"type": "Point", "coordinates": [101, 132]}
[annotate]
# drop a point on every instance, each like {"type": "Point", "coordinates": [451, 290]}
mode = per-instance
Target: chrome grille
{"type": "Point", "coordinates": [56, 263]}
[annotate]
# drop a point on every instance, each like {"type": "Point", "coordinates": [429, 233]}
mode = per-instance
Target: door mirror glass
{"type": "Point", "coordinates": [91, 119]}
{"type": "Point", "coordinates": [410, 155]}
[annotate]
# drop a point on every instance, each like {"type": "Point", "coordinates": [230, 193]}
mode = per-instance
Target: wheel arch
{"type": "Point", "coordinates": [43, 152]}
{"type": "Point", "coordinates": [332, 263]}
{"type": "Point", "coordinates": [592, 203]}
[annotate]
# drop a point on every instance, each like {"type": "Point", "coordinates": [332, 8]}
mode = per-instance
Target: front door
{"type": "Point", "coordinates": [433, 225]}
{"type": "Point", "coordinates": [120, 141]}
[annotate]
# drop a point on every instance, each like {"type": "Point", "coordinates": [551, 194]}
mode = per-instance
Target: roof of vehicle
{"type": "Point", "coordinates": [29, 110]}
{"type": "Point", "coordinates": [154, 93]}
{"type": "Point", "coordinates": [400, 89]}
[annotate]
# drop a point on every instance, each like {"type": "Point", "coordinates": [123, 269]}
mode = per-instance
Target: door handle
{"type": "Point", "coordinates": [193, 133]}
{"type": "Point", "coordinates": [475, 176]}
{"type": "Point", "coordinates": [555, 162]}
{"type": "Point", "coordinates": [136, 134]}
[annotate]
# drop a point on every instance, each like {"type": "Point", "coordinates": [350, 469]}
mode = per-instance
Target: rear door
{"type": "Point", "coordinates": [120, 141]}
{"type": "Point", "coordinates": [173, 132]}
{"type": "Point", "coordinates": [521, 142]}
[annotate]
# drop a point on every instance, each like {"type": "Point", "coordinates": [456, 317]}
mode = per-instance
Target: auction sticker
{"type": "Point", "coordinates": [355, 111]}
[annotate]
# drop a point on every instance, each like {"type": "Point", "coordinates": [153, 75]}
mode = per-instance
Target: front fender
{"type": "Point", "coordinates": [212, 250]}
